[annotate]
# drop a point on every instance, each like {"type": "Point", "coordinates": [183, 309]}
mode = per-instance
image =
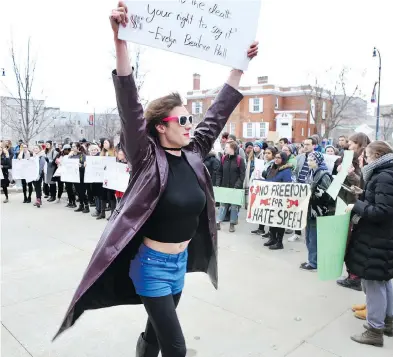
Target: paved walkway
{"type": "Point", "coordinates": [265, 306]}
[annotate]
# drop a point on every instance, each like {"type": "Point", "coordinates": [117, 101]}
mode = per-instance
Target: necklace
{"type": "Point", "coordinates": [171, 149]}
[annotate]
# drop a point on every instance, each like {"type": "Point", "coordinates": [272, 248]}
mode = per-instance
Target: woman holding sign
{"type": "Point", "coordinates": [165, 223]}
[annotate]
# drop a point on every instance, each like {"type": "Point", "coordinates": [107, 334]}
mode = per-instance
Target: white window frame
{"type": "Point", "coordinates": [276, 105]}
{"type": "Point", "coordinates": [309, 132]}
{"type": "Point", "coordinates": [312, 111]}
{"type": "Point", "coordinates": [261, 130]}
{"type": "Point", "coordinates": [197, 107]}
{"type": "Point", "coordinates": [255, 105]}
{"type": "Point", "coordinates": [324, 110]}
{"type": "Point", "coordinates": [302, 131]}
{"type": "Point", "coordinates": [232, 128]}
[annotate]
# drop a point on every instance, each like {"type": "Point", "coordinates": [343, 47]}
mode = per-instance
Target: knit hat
{"type": "Point", "coordinates": [318, 157]}
{"type": "Point", "coordinates": [258, 143]}
{"type": "Point", "coordinates": [247, 144]}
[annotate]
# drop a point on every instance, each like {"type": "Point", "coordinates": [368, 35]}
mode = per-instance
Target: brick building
{"type": "Point", "coordinates": [288, 111]}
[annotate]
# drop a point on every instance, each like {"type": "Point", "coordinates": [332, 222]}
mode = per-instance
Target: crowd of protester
{"type": "Point", "coordinates": [81, 196]}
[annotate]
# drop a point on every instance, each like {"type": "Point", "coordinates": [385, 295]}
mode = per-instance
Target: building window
{"type": "Point", "coordinates": [276, 106]}
{"type": "Point", "coordinates": [79, 122]}
{"type": "Point", "coordinates": [263, 130]}
{"type": "Point", "coordinates": [309, 131]}
{"type": "Point", "coordinates": [302, 131]}
{"type": "Point", "coordinates": [232, 127]}
{"type": "Point", "coordinates": [81, 131]}
{"type": "Point", "coordinates": [197, 108]}
{"type": "Point", "coordinates": [324, 110]}
{"type": "Point", "coordinates": [249, 130]}
{"type": "Point", "coordinates": [312, 111]}
{"type": "Point", "coordinates": [256, 105]}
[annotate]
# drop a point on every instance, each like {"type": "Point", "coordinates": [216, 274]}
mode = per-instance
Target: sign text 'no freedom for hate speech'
{"type": "Point", "coordinates": [216, 31]}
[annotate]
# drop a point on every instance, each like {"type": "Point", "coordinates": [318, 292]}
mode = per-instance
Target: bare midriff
{"type": "Point", "coordinates": [167, 248]}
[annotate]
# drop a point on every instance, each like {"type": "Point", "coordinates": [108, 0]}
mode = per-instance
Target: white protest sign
{"type": "Point", "coordinates": [283, 205]}
{"type": "Point", "coordinates": [330, 160]}
{"type": "Point", "coordinates": [217, 31]}
{"type": "Point", "coordinates": [70, 170]}
{"type": "Point", "coordinates": [1, 175]}
{"type": "Point", "coordinates": [258, 169]}
{"type": "Point", "coordinates": [95, 166]}
{"type": "Point", "coordinates": [25, 169]}
{"type": "Point", "coordinates": [116, 176]}
{"type": "Point", "coordinates": [335, 187]}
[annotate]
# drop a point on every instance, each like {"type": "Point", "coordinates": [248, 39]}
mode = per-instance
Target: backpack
{"type": "Point", "coordinates": [238, 158]}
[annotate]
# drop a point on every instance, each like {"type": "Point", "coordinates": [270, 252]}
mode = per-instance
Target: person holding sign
{"type": "Point", "coordinates": [370, 251]}
{"type": "Point", "coordinates": [280, 171]}
{"type": "Point", "coordinates": [231, 174]}
{"type": "Point", "coordinates": [320, 204]}
{"type": "Point", "coordinates": [165, 222]}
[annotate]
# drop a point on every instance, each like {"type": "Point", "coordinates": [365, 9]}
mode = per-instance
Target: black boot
{"type": "Point", "coordinates": [29, 199]}
{"type": "Point", "coordinates": [25, 198]}
{"type": "Point", "coordinates": [278, 244]}
{"type": "Point", "coordinates": [272, 240]}
{"type": "Point", "coordinates": [80, 208]}
{"type": "Point", "coordinates": [86, 209]}
{"type": "Point", "coordinates": [102, 214]}
{"type": "Point", "coordinates": [113, 207]}
{"type": "Point", "coordinates": [144, 349]}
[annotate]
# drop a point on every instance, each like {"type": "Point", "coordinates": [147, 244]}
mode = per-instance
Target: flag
{"type": "Point", "coordinates": [91, 119]}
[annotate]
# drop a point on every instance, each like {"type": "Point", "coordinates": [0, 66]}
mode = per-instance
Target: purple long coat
{"type": "Point", "coordinates": [106, 280]}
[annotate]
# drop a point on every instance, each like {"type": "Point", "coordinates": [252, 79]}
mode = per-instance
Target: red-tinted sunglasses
{"type": "Point", "coordinates": [182, 120]}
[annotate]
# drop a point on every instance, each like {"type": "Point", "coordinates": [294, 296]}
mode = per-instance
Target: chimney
{"type": "Point", "coordinates": [263, 79]}
{"type": "Point", "coordinates": [196, 82]}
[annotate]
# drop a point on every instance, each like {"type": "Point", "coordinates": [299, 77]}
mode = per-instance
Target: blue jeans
{"type": "Point", "coordinates": [157, 274]}
{"type": "Point", "coordinates": [234, 211]}
{"type": "Point", "coordinates": [311, 242]}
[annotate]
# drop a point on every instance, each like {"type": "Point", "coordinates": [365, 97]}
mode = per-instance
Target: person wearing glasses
{"type": "Point", "coordinates": [164, 225]}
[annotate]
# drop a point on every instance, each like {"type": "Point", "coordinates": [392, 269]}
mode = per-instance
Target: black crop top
{"type": "Point", "coordinates": [176, 216]}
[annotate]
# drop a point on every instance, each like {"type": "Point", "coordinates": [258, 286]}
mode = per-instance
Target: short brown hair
{"type": "Point", "coordinates": [380, 148]}
{"type": "Point", "coordinates": [232, 145]}
{"type": "Point", "coordinates": [361, 139]}
{"type": "Point", "coordinates": [159, 109]}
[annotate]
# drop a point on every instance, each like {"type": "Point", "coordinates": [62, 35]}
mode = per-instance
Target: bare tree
{"type": "Point", "coordinates": [330, 107]}
{"type": "Point", "coordinates": [108, 124]}
{"type": "Point", "coordinates": [63, 131]}
{"type": "Point", "coordinates": [25, 115]}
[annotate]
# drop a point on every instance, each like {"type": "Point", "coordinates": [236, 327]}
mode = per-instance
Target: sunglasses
{"type": "Point", "coordinates": [182, 120]}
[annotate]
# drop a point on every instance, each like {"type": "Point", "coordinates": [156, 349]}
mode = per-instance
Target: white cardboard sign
{"type": "Point", "coordinates": [283, 205]}
{"type": "Point", "coordinates": [216, 31]}
{"type": "Point", "coordinates": [95, 166]}
{"type": "Point", "coordinates": [116, 176]}
{"type": "Point", "coordinates": [70, 170]}
{"type": "Point", "coordinates": [27, 169]}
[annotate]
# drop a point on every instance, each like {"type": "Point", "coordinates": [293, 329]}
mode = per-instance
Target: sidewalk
{"type": "Point", "coordinates": [265, 306]}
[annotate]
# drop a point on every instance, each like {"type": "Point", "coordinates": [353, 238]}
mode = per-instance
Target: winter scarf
{"type": "Point", "coordinates": [368, 170]}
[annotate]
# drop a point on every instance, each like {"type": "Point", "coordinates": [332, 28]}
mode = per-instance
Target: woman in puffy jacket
{"type": "Point", "coordinates": [370, 251]}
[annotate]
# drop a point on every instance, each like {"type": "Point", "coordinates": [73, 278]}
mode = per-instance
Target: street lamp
{"type": "Point", "coordinates": [375, 52]}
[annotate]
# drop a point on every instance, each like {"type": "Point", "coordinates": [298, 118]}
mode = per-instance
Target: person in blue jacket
{"type": "Point", "coordinates": [279, 172]}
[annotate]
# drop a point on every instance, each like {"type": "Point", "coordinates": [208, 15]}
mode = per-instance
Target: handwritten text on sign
{"type": "Point", "coordinates": [282, 205]}
{"type": "Point", "coordinates": [116, 176]}
{"type": "Point", "coordinates": [217, 31]}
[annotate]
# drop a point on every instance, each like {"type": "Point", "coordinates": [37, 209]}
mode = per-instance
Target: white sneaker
{"type": "Point", "coordinates": [294, 238]}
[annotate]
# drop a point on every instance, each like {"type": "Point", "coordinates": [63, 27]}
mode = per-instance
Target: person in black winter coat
{"type": "Point", "coordinates": [213, 165]}
{"type": "Point", "coordinates": [370, 251]}
{"type": "Point", "coordinates": [231, 175]}
{"type": "Point", "coordinates": [5, 166]}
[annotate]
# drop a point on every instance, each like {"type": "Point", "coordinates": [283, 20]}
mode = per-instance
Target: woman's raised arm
{"type": "Point", "coordinates": [133, 138]}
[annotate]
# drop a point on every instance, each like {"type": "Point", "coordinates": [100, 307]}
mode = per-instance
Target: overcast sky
{"type": "Point", "coordinates": [299, 39]}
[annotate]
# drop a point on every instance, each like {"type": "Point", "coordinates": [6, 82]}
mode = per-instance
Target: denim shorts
{"type": "Point", "coordinates": [156, 274]}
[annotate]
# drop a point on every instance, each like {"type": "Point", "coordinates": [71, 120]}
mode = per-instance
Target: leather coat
{"type": "Point", "coordinates": [106, 280]}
